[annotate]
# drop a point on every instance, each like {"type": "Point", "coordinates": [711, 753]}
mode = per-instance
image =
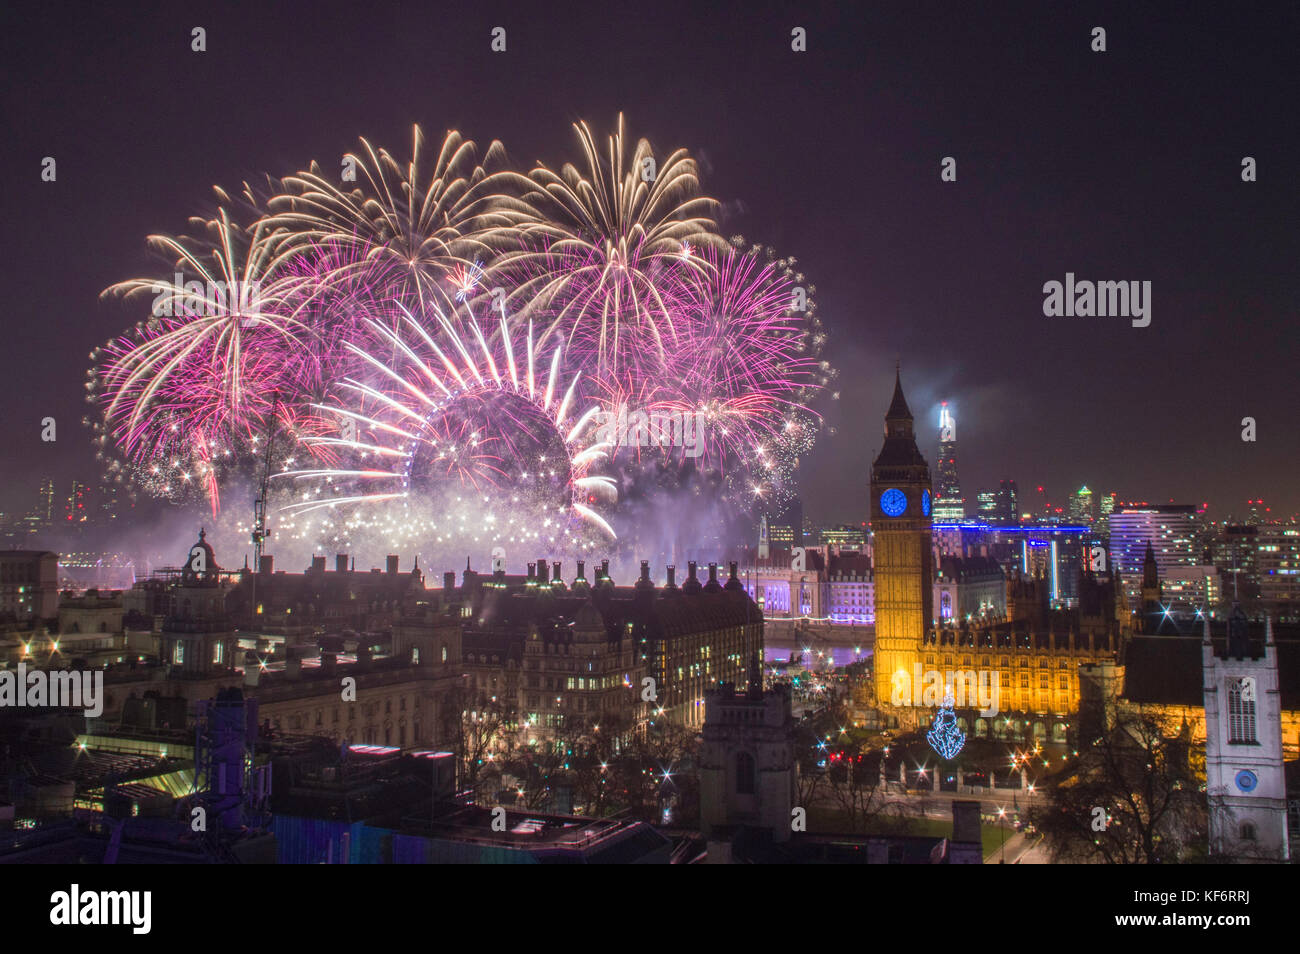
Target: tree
{"type": "Point", "coordinates": [485, 726]}
{"type": "Point", "coordinates": [1129, 797]}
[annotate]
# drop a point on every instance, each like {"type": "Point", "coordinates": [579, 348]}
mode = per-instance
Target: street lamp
{"type": "Point", "coordinates": [1002, 815]}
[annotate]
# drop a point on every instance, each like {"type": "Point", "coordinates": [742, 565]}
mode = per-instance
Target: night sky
{"type": "Point", "coordinates": [1123, 165]}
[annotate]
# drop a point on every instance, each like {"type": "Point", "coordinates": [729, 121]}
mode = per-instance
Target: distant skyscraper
{"type": "Point", "coordinates": [74, 511]}
{"type": "Point", "coordinates": [1107, 506]}
{"type": "Point", "coordinates": [108, 506]}
{"type": "Point", "coordinates": [949, 505]}
{"type": "Point", "coordinates": [1081, 513]}
{"type": "Point", "coordinates": [1257, 513]}
{"type": "Point", "coordinates": [987, 501]}
{"type": "Point", "coordinates": [43, 514]}
{"type": "Point", "coordinates": [1008, 503]}
{"type": "Point", "coordinates": [1042, 507]}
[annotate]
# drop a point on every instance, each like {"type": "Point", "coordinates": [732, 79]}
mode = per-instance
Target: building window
{"type": "Point", "coordinates": [1241, 713]}
{"type": "Point", "coordinates": [1024, 680]}
{"type": "Point", "coordinates": [744, 774]}
{"type": "Point", "coordinates": [1247, 832]}
{"type": "Point", "coordinates": [178, 654]}
{"type": "Point", "coordinates": [444, 652]}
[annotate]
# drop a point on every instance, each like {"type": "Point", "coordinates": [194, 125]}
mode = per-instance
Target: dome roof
{"type": "Point", "coordinates": [200, 562]}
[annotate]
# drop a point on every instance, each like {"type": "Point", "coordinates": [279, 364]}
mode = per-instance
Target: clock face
{"type": "Point", "coordinates": [1246, 781]}
{"type": "Point", "coordinates": [925, 502]}
{"type": "Point", "coordinates": [893, 502]}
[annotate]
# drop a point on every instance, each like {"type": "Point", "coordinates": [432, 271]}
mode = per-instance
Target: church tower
{"type": "Point", "coordinates": [1245, 782]}
{"type": "Point", "coordinates": [1150, 613]}
{"type": "Point", "coordinates": [903, 560]}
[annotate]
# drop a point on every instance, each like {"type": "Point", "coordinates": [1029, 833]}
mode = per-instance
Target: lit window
{"type": "Point", "coordinates": [1241, 713]}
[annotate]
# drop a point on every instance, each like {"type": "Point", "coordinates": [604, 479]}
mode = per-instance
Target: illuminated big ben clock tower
{"type": "Point", "coordinates": [903, 554]}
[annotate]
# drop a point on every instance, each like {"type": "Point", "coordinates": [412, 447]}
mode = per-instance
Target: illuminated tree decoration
{"type": "Point", "coordinates": [944, 736]}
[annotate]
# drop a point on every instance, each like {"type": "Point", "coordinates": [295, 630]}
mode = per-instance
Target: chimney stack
{"type": "Point", "coordinates": [392, 564]}
{"type": "Point", "coordinates": [645, 586]}
{"type": "Point", "coordinates": [713, 585]}
{"type": "Point", "coordinates": [318, 564]}
{"type": "Point", "coordinates": [449, 580]}
{"type": "Point", "coordinates": [692, 584]}
{"type": "Point", "coordinates": [541, 572]}
{"type": "Point", "coordinates": [267, 564]}
{"type": "Point", "coordinates": [341, 563]}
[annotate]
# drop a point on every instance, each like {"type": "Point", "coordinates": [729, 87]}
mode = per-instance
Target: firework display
{"type": "Point", "coordinates": [446, 351]}
{"type": "Point", "coordinates": [601, 251]}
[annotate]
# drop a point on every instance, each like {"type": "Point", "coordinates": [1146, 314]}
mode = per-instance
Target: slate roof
{"type": "Point", "coordinates": [1166, 670]}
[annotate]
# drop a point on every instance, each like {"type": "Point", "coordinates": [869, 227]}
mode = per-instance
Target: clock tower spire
{"type": "Point", "coordinates": [903, 554]}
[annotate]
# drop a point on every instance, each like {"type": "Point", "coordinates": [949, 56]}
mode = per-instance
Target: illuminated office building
{"type": "Point", "coordinates": [949, 505]}
{"type": "Point", "coordinates": [1171, 531]}
{"type": "Point", "coordinates": [1081, 504]}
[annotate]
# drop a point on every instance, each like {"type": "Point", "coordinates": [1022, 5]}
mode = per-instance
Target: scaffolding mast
{"type": "Point", "coordinates": [260, 532]}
